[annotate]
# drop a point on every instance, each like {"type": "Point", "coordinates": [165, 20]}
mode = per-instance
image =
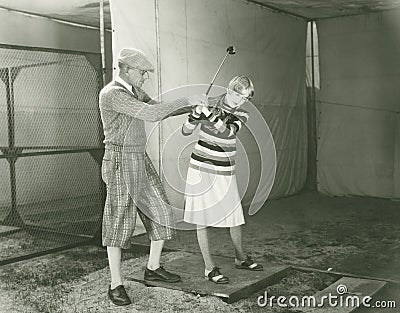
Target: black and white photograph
{"type": "Point", "coordinates": [200, 156]}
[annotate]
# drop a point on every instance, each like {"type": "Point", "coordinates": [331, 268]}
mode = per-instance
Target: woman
{"type": "Point", "coordinates": [211, 193]}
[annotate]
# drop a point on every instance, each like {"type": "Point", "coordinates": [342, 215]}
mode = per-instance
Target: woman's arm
{"type": "Point", "coordinates": [190, 125]}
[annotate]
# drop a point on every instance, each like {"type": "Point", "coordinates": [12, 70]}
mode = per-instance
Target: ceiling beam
{"type": "Point", "coordinates": [355, 14]}
{"type": "Point", "coordinates": [50, 18]}
{"type": "Point", "coordinates": [275, 9]}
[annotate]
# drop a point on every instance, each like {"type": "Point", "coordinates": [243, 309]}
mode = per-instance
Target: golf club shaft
{"type": "Point", "coordinates": [216, 74]}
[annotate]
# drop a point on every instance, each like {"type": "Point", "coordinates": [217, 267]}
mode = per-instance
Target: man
{"type": "Point", "coordinates": [124, 105]}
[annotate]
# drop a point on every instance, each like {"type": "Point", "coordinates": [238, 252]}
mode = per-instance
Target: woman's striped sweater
{"type": "Point", "coordinates": [215, 149]}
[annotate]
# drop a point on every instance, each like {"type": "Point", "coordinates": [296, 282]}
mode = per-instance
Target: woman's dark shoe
{"type": "Point", "coordinates": [161, 274]}
{"type": "Point", "coordinates": [118, 296]}
{"type": "Point", "coordinates": [216, 277]}
{"type": "Point", "coordinates": [248, 264]}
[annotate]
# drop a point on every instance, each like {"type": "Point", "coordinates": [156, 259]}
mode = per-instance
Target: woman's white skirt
{"type": "Point", "coordinates": [212, 200]}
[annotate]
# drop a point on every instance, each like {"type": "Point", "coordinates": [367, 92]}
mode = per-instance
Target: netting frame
{"type": "Point", "coordinates": [11, 153]}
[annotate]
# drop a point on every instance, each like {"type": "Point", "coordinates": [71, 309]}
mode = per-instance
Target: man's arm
{"type": "Point", "coordinates": [180, 112]}
{"type": "Point", "coordinates": [123, 102]}
{"type": "Point", "coordinates": [185, 110]}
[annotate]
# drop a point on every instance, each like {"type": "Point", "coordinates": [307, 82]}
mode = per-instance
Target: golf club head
{"type": "Point", "coordinates": [231, 50]}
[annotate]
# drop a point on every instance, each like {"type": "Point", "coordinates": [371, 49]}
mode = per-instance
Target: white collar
{"type": "Point", "coordinates": [125, 84]}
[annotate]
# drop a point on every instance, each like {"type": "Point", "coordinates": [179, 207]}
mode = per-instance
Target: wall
{"type": "Point", "coordinates": [359, 117]}
{"type": "Point", "coordinates": [193, 37]}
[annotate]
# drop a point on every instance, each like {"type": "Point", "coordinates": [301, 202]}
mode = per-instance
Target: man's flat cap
{"type": "Point", "coordinates": [135, 58]}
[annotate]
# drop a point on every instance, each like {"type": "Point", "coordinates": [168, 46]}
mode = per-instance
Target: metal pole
{"type": "Point", "coordinates": [313, 137]}
{"type": "Point", "coordinates": [312, 62]}
{"type": "Point", "coordinates": [159, 83]}
{"type": "Point", "coordinates": [8, 76]}
{"type": "Point", "coordinates": [102, 47]}
{"type": "Point", "coordinates": [96, 240]}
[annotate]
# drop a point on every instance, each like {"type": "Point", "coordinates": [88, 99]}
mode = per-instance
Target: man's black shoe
{"type": "Point", "coordinates": [118, 296]}
{"type": "Point", "coordinates": [161, 274]}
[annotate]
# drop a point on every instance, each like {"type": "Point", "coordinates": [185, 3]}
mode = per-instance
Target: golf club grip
{"type": "Point", "coordinates": [209, 88]}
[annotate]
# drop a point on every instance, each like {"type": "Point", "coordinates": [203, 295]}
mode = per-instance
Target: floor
{"type": "Point", "coordinates": [348, 234]}
{"type": "Point", "coordinates": [355, 235]}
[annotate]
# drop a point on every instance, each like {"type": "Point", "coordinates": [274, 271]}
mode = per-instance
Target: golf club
{"type": "Point", "coordinates": [229, 50]}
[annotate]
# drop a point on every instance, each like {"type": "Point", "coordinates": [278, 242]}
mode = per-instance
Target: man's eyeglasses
{"type": "Point", "coordinates": [144, 73]}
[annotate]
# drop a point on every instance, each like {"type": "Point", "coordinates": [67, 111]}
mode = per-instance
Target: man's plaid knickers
{"type": "Point", "coordinates": [144, 194]}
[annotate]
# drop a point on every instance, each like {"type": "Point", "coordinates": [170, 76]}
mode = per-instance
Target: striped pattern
{"type": "Point", "coordinates": [216, 148]}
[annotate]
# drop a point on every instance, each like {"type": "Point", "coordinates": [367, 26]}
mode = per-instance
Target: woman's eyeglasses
{"type": "Point", "coordinates": [243, 97]}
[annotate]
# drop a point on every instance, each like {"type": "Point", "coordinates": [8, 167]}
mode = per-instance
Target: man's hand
{"type": "Point", "coordinates": [196, 112]}
{"type": "Point", "coordinates": [199, 108]}
{"type": "Point", "coordinates": [207, 113]}
{"type": "Point", "coordinates": [200, 112]}
{"type": "Point", "coordinates": [214, 115]}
